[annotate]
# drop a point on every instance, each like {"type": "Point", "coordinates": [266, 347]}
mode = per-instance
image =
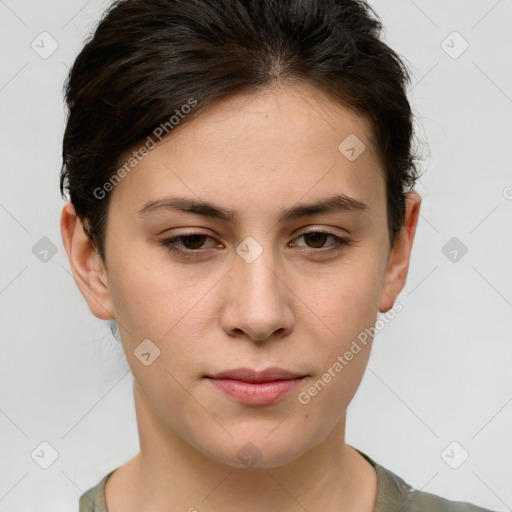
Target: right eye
{"type": "Point", "coordinates": [192, 243]}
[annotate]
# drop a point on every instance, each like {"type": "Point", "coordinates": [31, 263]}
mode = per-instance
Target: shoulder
{"type": "Point", "coordinates": [394, 494]}
{"type": "Point", "coordinates": [93, 500]}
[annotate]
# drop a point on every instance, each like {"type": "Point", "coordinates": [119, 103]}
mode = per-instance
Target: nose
{"type": "Point", "coordinates": [258, 301]}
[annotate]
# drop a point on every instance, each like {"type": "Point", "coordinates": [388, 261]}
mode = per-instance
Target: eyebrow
{"type": "Point", "coordinates": [337, 203]}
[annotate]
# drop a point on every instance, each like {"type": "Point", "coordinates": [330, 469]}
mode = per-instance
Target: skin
{"type": "Point", "coordinates": [297, 306]}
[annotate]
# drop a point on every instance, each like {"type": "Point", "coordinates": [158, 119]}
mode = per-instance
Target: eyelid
{"type": "Point", "coordinates": [326, 230]}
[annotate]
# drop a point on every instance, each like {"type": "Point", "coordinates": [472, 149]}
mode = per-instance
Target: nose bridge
{"type": "Point", "coordinates": [256, 273]}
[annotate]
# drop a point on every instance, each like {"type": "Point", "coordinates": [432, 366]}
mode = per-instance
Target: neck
{"type": "Point", "coordinates": [170, 474]}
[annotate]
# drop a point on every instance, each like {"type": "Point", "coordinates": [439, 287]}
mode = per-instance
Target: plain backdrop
{"type": "Point", "coordinates": [438, 386]}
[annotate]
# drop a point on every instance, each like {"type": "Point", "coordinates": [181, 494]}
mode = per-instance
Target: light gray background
{"type": "Point", "coordinates": [439, 372]}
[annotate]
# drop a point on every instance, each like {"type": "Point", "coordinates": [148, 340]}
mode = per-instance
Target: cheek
{"type": "Point", "coordinates": [165, 308]}
{"type": "Point", "coordinates": [148, 299]}
{"type": "Point", "coordinates": [347, 300]}
{"type": "Point", "coordinates": [347, 303]}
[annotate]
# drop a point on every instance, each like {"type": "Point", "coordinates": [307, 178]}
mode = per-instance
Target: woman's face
{"type": "Point", "coordinates": [257, 289]}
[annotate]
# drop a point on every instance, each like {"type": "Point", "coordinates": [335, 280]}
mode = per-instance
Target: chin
{"type": "Point", "coordinates": [258, 451]}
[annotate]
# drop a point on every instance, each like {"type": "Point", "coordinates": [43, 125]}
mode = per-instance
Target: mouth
{"type": "Point", "coordinates": [251, 387]}
{"type": "Point", "coordinates": [253, 376]}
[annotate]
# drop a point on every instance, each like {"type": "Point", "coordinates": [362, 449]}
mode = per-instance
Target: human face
{"type": "Point", "coordinates": [287, 299]}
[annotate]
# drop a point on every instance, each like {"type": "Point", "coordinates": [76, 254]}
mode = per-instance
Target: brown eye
{"type": "Point", "coordinates": [193, 241]}
{"type": "Point", "coordinates": [318, 239]}
{"type": "Point", "coordinates": [190, 243]}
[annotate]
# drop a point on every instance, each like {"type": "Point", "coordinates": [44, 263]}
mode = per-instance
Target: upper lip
{"type": "Point", "coordinates": [246, 374]}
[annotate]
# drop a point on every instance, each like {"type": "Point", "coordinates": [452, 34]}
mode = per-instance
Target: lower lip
{"type": "Point", "coordinates": [261, 393]}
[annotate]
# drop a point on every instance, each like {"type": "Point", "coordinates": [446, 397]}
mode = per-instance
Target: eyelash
{"type": "Point", "coordinates": [169, 243]}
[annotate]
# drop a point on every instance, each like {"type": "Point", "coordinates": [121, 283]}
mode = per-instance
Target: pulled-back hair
{"type": "Point", "coordinates": [148, 59]}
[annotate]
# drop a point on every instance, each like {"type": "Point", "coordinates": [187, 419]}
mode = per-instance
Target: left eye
{"type": "Point", "coordinates": [318, 238]}
{"type": "Point", "coordinates": [192, 242]}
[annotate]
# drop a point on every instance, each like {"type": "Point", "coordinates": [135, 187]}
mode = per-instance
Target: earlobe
{"type": "Point", "coordinates": [86, 265]}
{"type": "Point", "coordinates": [398, 265]}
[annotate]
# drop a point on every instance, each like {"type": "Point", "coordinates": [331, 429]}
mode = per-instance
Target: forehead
{"type": "Point", "coordinates": [273, 146]}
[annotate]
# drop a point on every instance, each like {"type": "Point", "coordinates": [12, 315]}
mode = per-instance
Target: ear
{"type": "Point", "coordinates": [398, 264]}
{"type": "Point", "coordinates": [86, 265]}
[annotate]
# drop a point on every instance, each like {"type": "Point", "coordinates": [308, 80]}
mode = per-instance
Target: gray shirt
{"type": "Point", "coordinates": [393, 495]}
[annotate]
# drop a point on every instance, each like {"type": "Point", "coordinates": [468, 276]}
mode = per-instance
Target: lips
{"type": "Point", "coordinates": [247, 375]}
{"type": "Point", "coordinates": [253, 388]}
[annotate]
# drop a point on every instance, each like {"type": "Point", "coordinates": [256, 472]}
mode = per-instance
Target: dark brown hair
{"type": "Point", "coordinates": [148, 59]}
